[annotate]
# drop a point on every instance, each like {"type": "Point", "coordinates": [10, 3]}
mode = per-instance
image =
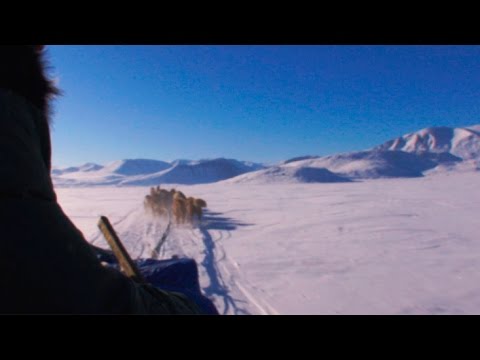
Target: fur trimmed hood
{"type": "Point", "coordinates": [23, 71]}
{"type": "Point", "coordinates": [25, 149]}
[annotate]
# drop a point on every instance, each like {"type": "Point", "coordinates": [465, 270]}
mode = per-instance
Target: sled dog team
{"type": "Point", "coordinates": [174, 205]}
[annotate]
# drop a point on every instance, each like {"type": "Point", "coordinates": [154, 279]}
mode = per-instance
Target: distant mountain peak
{"type": "Point", "coordinates": [460, 142]}
{"type": "Point", "coordinates": [131, 167]}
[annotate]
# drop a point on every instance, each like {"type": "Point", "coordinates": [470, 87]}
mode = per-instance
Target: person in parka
{"type": "Point", "coordinates": [46, 265]}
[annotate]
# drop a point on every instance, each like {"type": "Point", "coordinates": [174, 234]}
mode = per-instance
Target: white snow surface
{"type": "Point", "coordinates": [385, 246]}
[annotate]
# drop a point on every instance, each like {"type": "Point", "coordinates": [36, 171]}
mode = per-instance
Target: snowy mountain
{"type": "Point", "coordinates": [284, 174]}
{"type": "Point", "coordinates": [153, 172]}
{"type": "Point", "coordinates": [428, 151]}
{"type": "Point", "coordinates": [461, 142]}
{"type": "Point", "coordinates": [371, 164]}
{"type": "Point", "coordinates": [83, 168]}
{"type": "Point", "coordinates": [136, 167]}
{"type": "Point", "coordinates": [378, 163]}
{"type": "Point", "coordinates": [436, 149]}
{"type": "Point", "coordinates": [195, 172]}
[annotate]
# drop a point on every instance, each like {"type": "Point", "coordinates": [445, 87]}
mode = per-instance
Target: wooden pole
{"type": "Point", "coordinates": [126, 263]}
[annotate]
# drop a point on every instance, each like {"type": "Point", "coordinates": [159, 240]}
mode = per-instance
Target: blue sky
{"type": "Point", "coordinates": [258, 103]}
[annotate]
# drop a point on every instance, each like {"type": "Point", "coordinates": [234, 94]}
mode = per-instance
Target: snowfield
{"type": "Point", "coordinates": [384, 246]}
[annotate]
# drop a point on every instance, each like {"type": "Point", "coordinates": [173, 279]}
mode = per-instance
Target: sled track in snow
{"type": "Point", "coordinates": [147, 237]}
{"type": "Point", "coordinates": [99, 236]}
{"type": "Point", "coordinates": [217, 287]}
{"type": "Point", "coordinates": [225, 279]}
{"type": "Point", "coordinates": [156, 251]}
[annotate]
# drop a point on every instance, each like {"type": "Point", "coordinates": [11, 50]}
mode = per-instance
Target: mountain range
{"type": "Point", "coordinates": [428, 151]}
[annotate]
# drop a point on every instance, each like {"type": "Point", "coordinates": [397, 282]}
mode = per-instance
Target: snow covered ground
{"type": "Point", "coordinates": [386, 246]}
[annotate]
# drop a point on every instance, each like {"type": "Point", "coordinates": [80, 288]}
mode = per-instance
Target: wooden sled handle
{"type": "Point", "coordinates": [126, 263]}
